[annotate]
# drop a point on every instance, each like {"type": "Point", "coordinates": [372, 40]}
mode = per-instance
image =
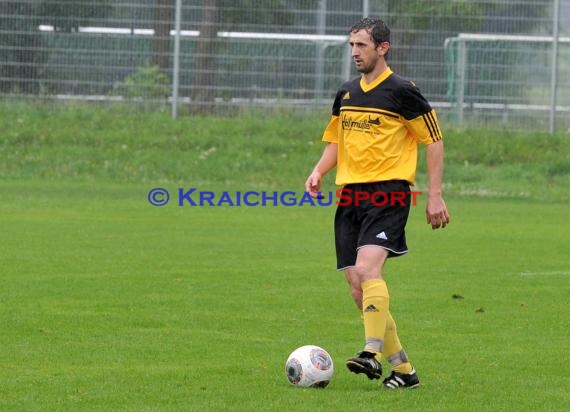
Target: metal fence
{"type": "Point", "coordinates": [494, 63]}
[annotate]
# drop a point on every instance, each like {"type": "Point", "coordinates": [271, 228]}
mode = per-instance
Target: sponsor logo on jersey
{"type": "Point", "coordinates": [348, 123]}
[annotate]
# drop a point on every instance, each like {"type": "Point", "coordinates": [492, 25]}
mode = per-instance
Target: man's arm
{"type": "Point", "coordinates": [436, 211]}
{"type": "Point", "coordinates": [323, 166]}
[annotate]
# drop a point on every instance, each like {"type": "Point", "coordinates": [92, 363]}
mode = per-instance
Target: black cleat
{"type": "Point", "coordinates": [402, 380]}
{"type": "Point", "coordinates": [365, 362]}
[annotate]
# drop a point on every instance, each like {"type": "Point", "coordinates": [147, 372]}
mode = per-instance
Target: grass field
{"type": "Point", "coordinates": [109, 303]}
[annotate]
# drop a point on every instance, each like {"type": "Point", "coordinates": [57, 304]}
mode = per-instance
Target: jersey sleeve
{"type": "Point", "coordinates": [330, 134]}
{"type": "Point", "coordinates": [419, 116]}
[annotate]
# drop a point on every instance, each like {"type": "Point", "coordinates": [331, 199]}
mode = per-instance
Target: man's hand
{"type": "Point", "coordinates": [326, 163]}
{"type": "Point", "coordinates": [436, 212]}
{"type": "Point", "coordinates": [313, 184]}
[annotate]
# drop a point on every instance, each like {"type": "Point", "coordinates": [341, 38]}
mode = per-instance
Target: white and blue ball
{"type": "Point", "coordinates": [309, 366]}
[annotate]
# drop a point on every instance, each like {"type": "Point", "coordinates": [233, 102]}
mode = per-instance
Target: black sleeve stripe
{"type": "Point", "coordinates": [432, 126]}
{"type": "Point", "coordinates": [437, 130]}
{"type": "Point", "coordinates": [429, 127]}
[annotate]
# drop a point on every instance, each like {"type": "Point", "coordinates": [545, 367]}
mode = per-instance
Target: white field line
{"type": "Point", "coordinates": [552, 273]}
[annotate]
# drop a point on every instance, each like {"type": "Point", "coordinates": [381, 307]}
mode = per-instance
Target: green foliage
{"type": "Point", "coordinates": [526, 12]}
{"type": "Point", "coordinates": [23, 53]}
{"type": "Point", "coordinates": [277, 13]}
{"type": "Point", "coordinates": [25, 49]}
{"type": "Point", "coordinates": [148, 82]}
{"type": "Point", "coordinates": [68, 15]}
{"type": "Point", "coordinates": [560, 167]}
{"type": "Point", "coordinates": [123, 144]}
{"type": "Point", "coordinates": [455, 15]}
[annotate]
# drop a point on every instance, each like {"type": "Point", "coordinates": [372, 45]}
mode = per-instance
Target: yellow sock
{"type": "Point", "coordinates": [393, 349]}
{"type": "Point", "coordinates": [375, 302]}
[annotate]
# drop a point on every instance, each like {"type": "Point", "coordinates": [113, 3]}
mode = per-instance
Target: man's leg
{"type": "Point", "coordinates": [393, 349]}
{"type": "Point", "coordinates": [367, 284]}
{"type": "Point", "coordinates": [403, 374]}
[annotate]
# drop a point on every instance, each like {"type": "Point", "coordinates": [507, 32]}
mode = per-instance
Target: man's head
{"type": "Point", "coordinates": [376, 28]}
{"type": "Point", "coordinates": [369, 40]}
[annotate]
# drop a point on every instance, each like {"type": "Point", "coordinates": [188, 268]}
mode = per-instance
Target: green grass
{"type": "Point", "coordinates": [109, 303]}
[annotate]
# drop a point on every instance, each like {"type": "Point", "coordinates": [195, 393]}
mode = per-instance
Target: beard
{"type": "Point", "coordinates": [366, 68]}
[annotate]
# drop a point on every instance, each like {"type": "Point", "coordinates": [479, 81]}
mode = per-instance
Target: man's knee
{"type": "Point", "coordinates": [365, 272]}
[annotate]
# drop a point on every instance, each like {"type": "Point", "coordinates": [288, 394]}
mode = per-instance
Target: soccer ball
{"type": "Point", "coordinates": [309, 366]}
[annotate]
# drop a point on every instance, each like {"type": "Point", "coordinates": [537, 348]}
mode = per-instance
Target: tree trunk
{"type": "Point", "coordinates": [203, 90]}
{"type": "Point", "coordinates": [163, 17]}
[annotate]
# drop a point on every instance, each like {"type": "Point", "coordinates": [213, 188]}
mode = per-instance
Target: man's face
{"type": "Point", "coordinates": [364, 52]}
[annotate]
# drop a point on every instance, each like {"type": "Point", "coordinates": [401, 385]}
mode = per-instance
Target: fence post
{"type": "Point", "coordinates": [554, 74]}
{"type": "Point", "coordinates": [176, 63]}
{"type": "Point", "coordinates": [462, 69]}
{"type": "Point", "coordinates": [319, 67]}
{"type": "Point", "coordinates": [365, 8]}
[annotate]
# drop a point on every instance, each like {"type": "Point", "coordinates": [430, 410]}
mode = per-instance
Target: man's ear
{"type": "Point", "coordinates": [383, 48]}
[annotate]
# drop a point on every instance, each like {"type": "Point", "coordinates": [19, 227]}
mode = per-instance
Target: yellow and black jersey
{"type": "Point", "coordinates": [377, 127]}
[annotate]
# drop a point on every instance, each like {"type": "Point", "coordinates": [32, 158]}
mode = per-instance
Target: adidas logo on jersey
{"type": "Point", "coordinates": [371, 308]}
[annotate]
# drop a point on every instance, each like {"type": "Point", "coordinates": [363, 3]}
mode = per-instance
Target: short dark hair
{"type": "Point", "coordinates": [378, 30]}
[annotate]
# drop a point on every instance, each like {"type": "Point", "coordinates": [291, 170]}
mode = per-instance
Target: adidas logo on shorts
{"type": "Point", "coordinates": [382, 235]}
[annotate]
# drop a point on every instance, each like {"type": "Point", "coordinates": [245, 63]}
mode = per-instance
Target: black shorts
{"type": "Point", "coordinates": [371, 214]}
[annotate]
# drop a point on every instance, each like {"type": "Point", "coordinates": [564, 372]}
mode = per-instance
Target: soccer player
{"type": "Point", "coordinates": [377, 122]}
